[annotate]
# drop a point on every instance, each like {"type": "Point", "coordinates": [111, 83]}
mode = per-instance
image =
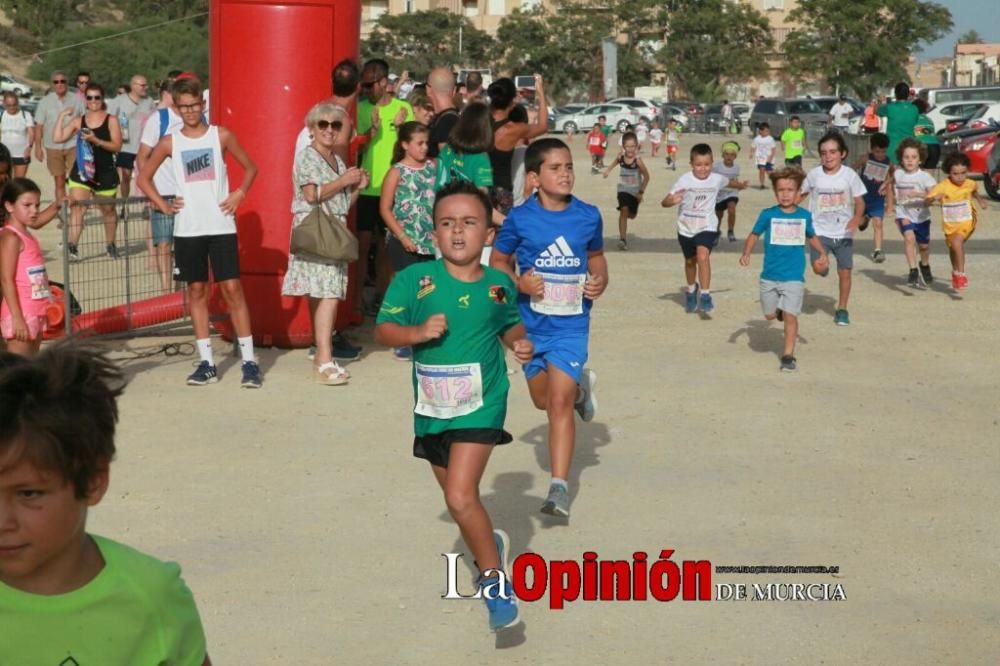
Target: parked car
{"type": "Point", "coordinates": [947, 113]}
{"type": "Point", "coordinates": [741, 112]}
{"type": "Point", "coordinates": [619, 116]}
{"type": "Point", "coordinates": [711, 121]}
{"type": "Point", "coordinates": [668, 111]}
{"type": "Point", "coordinates": [992, 180]}
{"type": "Point", "coordinates": [978, 145]}
{"type": "Point", "coordinates": [648, 111]}
{"type": "Point", "coordinates": [559, 113]}
{"type": "Point", "coordinates": [776, 111]}
{"type": "Point", "coordinates": [981, 118]}
{"type": "Point", "coordinates": [12, 84]}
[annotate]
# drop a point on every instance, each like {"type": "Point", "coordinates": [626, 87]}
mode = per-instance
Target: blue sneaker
{"type": "Point", "coordinates": [841, 318]}
{"type": "Point", "coordinates": [251, 375]}
{"type": "Point", "coordinates": [502, 611]}
{"type": "Point", "coordinates": [706, 303]}
{"type": "Point", "coordinates": [205, 373]}
{"type": "Point", "coordinates": [343, 350]}
{"type": "Point", "coordinates": [402, 353]}
{"type": "Point", "coordinates": [691, 300]}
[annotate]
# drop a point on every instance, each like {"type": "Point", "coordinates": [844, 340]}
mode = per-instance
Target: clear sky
{"type": "Point", "coordinates": [978, 15]}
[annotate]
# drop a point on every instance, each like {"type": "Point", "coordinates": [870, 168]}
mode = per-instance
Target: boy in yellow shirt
{"type": "Point", "coordinates": [958, 196]}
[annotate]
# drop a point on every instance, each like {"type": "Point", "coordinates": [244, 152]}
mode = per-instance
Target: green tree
{"type": "Point", "coordinates": [710, 42]}
{"type": "Point", "coordinates": [39, 17]}
{"type": "Point", "coordinates": [420, 41]}
{"type": "Point", "coordinates": [862, 45]}
{"type": "Point", "coordinates": [970, 37]}
{"type": "Point", "coordinates": [153, 52]}
{"type": "Point", "coordinates": [171, 9]}
{"type": "Point", "coordinates": [565, 45]}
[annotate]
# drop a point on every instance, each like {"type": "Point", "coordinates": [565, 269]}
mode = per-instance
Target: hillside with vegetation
{"type": "Point", "coordinates": [112, 39]}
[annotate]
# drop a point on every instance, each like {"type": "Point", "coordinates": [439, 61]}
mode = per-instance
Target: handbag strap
{"type": "Point", "coordinates": [333, 168]}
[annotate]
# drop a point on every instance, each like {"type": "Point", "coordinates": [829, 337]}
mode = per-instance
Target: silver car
{"type": "Point", "coordinates": [618, 116]}
{"type": "Point", "coordinates": [776, 111]}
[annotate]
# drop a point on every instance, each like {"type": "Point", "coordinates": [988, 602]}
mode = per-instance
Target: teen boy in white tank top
{"type": "Point", "coordinates": [204, 223]}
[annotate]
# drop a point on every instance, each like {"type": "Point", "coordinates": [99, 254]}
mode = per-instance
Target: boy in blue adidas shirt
{"type": "Point", "coordinates": [558, 243]}
{"type": "Point", "coordinates": [786, 229]}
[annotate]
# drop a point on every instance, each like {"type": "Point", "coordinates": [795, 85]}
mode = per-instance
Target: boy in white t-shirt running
{"type": "Point", "coordinates": [913, 216]}
{"type": "Point", "coordinates": [695, 194]}
{"type": "Point", "coordinates": [836, 201]}
{"type": "Point", "coordinates": [764, 147]}
{"type": "Point", "coordinates": [205, 224]}
{"type": "Point", "coordinates": [655, 139]}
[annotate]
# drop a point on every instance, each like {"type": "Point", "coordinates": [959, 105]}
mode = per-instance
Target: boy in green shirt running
{"type": "Point", "coordinates": [455, 312]}
{"type": "Point", "coordinates": [66, 596]}
{"type": "Point", "coordinates": [794, 141]}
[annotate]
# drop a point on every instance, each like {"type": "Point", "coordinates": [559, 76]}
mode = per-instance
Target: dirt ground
{"type": "Point", "coordinates": [309, 534]}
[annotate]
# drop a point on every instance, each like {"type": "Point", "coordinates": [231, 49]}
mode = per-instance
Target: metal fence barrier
{"type": "Point", "coordinates": [114, 279]}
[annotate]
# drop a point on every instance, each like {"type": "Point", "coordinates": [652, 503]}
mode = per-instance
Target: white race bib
{"type": "Point", "coordinates": [563, 294]}
{"type": "Point", "coordinates": [960, 211]}
{"type": "Point", "coordinates": [39, 281]}
{"type": "Point", "coordinates": [796, 144]}
{"type": "Point", "coordinates": [448, 391]}
{"type": "Point", "coordinates": [787, 232]}
{"type": "Point", "coordinates": [831, 201]}
{"type": "Point", "coordinates": [876, 171]}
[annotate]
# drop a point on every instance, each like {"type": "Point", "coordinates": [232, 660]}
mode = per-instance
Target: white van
{"type": "Point", "coordinates": [939, 96]}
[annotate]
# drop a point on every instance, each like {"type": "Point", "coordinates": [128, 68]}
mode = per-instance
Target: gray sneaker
{"type": "Point", "coordinates": [557, 503]}
{"type": "Point", "coordinates": [586, 407]}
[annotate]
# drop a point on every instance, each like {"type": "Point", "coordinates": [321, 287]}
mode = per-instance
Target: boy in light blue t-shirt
{"type": "Point", "coordinates": [786, 228]}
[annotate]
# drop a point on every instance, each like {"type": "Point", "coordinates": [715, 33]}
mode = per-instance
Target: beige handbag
{"type": "Point", "coordinates": [322, 238]}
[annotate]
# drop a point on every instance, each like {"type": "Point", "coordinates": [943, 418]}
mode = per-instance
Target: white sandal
{"type": "Point", "coordinates": [330, 374]}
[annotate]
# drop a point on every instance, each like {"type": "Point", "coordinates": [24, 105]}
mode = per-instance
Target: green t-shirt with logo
{"type": "Point", "coordinates": [924, 131]}
{"type": "Point", "coordinates": [901, 118]}
{"type": "Point", "coordinates": [473, 167]}
{"type": "Point", "coordinates": [376, 157]}
{"type": "Point", "coordinates": [794, 141]}
{"type": "Point", "coordinates": [459, 380]}
{"type": "Point", "coordinates": [137, 610]}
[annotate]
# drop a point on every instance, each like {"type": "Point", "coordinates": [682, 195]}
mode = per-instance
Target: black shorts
{"type": "Point", "coordinates": [933, 155]}
{"type": "Point", "coordinates": [724, 204]}
{"type": "Point", "coordinates": [689, 246]}
{"type": "Point", "coordinates": [368, 216]}
{"type": "Point", "coordinates": [794, 161]}
{"type": "Point", "coordinates": [400, 258]}
{"type": "Point", "coordinates": [627, 200]}
{"type": "Point", "coordinates": [434, 448]}
{"type": "Point", "coordinates": [20, 161]}
{"type": "Point", "coordinates": [125, 161]}
{"type": "Point", "coordinates": [192, 255]}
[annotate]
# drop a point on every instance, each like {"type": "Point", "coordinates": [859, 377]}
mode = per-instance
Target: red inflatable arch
{"type": "Point", "coordinates": [270, 61]}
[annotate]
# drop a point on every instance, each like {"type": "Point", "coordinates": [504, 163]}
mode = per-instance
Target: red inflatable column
{"type": "Point", "coordinates": [270, 61]}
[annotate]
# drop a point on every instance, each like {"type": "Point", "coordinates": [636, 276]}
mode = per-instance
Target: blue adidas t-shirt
{"type": "Point", "coordinates": [556, 245]}
{"type": "Point", "coordinates": [785, 237]}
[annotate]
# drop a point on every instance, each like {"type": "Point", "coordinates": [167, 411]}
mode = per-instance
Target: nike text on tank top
{"type": "Point", "coordinates": [200, 174]}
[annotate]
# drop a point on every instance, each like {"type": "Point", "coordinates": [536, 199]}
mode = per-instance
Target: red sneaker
{"type": "Point", "coordinates": [963, 281]}
{"type": "Point", "coordinates": [956, 281]}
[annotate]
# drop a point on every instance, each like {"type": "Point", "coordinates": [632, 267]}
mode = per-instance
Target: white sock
{"type": "Point", "coordinates": [706, 291]}
{"type": "Point", "coordinates": [559, 482]}
{"type": "Point", "coordinates": [692, 287]}
{"type": "Point", "coordinates": [246, 348]}
{"type": "Point", "coordinates": [205, 350]}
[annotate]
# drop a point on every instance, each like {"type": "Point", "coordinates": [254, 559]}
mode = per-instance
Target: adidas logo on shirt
{"type": "Point", "coordinates": [558, 255]}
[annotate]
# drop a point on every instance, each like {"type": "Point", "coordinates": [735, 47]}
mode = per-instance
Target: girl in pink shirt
{"type": "Point", "coordinates": [23, 278]}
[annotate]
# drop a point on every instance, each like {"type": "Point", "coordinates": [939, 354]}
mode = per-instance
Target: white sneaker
{"type": "Point", "coordinates": [586, 406]}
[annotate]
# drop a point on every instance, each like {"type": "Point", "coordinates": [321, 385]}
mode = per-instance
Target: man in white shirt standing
{"type": "Point", "coordinates": [59, 157]}
{"type": "Point", "coordinates": [840, 115]}
{"type": "Point", "coordinates": [132, 109]}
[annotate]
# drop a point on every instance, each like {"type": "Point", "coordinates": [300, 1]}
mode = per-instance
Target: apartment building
{"type": "Point", "coordinates": [975, 65]}
{"type": "Point", "coordinates": [483, 14]}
